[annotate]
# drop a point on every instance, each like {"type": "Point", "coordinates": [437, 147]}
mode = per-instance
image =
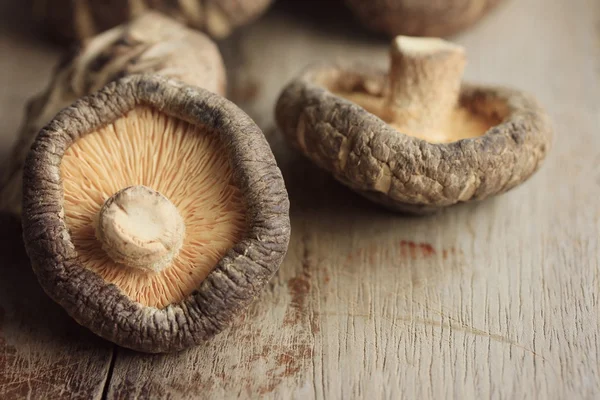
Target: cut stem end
{"type": "Point", "coordinates": [140, 228]}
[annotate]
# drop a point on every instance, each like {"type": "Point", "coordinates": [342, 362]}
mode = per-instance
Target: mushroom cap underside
{"type": "Point", "coordinates": [400, 171]}
{"type": "Point", "coordinates": [420, 18]}
{"type": "Point", "coordinates": [151, 204]}
{"type": "Point", "coordinates": [238, 275]}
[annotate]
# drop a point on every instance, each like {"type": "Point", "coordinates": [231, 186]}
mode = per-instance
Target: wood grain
{"type": "Point", "coordinates": [44, 354]}
{"type": "Point", "coordinates": [493, 300]}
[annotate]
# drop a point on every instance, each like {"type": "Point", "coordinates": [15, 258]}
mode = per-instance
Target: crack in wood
{"type": "Point", "coordinates": [109, 374]}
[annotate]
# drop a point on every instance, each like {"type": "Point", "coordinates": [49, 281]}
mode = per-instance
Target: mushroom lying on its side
{"type": "Point", "coordinates": [153, 212]}
{"type": "Point", "coordinates": [82, 19]}
{"type": "Point", "coordinates": [151, 43]}
{"type": "Point", "coordinates": [415, 140]}
{"type": "Point", "coordinates": [421, 17]}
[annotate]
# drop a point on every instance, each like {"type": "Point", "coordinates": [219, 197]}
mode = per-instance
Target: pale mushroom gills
{"type": "Point", "coordinates": [154, 212]}
{"type": "Point", "coordinates": [461, 123]}
{"type": "Point", "coordinates": [150, 204]}
{"type": "Point", "coordinates": [421, 96]}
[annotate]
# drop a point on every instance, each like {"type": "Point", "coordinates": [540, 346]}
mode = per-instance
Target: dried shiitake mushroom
{"type": "Point", "coordinates": [421, 17]}
{"type": "Point", "coordinates": [82, 19]}
{"type": "Point", "coordinates": [153, 212]}
{"type": "Point", "coordinates": [151, 43]}
{"type": "Point", "coordinates": [415, 139]}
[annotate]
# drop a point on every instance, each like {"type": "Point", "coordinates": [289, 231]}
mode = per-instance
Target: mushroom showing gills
{"type": "Point", "coordinates": [153, 212]}
{"type": "Point", "coordinates": [415, 139]}
{"type": "Point", "coordinates": [82, 19]}
{"type": "Point", "coordinates": [422, 17]}
{"type": "Point", "coordinates": [173, 209]}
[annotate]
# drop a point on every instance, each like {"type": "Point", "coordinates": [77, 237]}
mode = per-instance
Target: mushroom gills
{"type": "Point", "coordinates": [461, 123]}
{"type": "Point", "coordinates": [421, 96]}
{"type": "Point", "coordinates": [168, 168]}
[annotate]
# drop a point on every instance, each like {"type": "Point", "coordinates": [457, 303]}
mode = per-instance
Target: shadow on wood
{"type": "Point", "coordinates": [49, 353]}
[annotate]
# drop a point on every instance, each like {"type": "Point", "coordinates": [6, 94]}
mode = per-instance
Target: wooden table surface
{"type": "Point", "coordinates": [493, 300]}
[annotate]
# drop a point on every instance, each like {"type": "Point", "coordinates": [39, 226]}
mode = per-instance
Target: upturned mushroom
{"type": "Point", "coordinates": [153, 210]}
{"type": "Point", "coordinates": [415, 139]}
{"type": "Point", "coordinates": [82, 19]}
{"type": "Point", "coordinates": [420, 18]}
{"type": "Point", "coordinates": [151, 43]}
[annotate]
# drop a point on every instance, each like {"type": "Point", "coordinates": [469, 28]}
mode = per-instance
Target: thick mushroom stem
{"type": "Point", "coordinates": [140, 228]}
{"type": "Point", "coordinates": [424, 81]}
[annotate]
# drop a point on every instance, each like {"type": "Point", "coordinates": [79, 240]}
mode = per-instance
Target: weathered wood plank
{"type": "Point", "coordinates": [498, 299]}
{"type": "Point", "coordinates": [44, 354]}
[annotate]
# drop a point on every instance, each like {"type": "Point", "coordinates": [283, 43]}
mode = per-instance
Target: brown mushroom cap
{"type": "Point", "coordinates": [438, 153]}
{"type": "Point", "coordinates": [421, 17]}
{"type": "Point", "coordinates": [151, 43]}
{"type": "Point", "coordinates": [217, 170]}
{"type": "Point", "coordinates": [82, 19]}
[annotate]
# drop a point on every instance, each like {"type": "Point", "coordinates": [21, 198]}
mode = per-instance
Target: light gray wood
{"type": "Point", "coordinates": [498, 299]}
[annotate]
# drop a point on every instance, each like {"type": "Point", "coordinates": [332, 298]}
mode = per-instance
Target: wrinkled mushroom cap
{"type": "Point", "coordinates": [420, 18]}
{"type": "Point", "coordinates": [401, 171]}
{"type": "Point", "coordinates": [240, 271]}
